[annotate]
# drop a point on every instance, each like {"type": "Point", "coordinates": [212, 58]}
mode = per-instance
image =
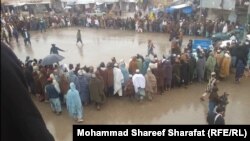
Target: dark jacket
{"type": "Point", "coordinates": [51, 91]}
{"type": "Point", "coordinates": [215, 119]}
{"type": "Point", "coordinates": [28, 35]}
{"type": "Point", "coordinates": [54, 50]}
{"type": "Point", "coordinates": [219, 120]}
{"type": "Point", "coordinates": [20, 119]}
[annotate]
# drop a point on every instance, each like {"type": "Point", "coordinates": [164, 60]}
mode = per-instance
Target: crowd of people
{"type": "Point", "coordinates": [142, 78]}
{"type": "Point", "coordinates": [13, 24]}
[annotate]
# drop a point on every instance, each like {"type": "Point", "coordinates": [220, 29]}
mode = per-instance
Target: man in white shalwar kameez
{"type": "Point", "coordinates": [139, 83]}
{"type": "Point", "coordinates": [118, 80]}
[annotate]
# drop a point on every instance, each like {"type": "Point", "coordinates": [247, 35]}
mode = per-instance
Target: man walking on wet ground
{"type": "Point", "coordinates": [211, 84]}
{"type": "Point", "coordinates": [54, 49]}
{"type": "Point", "coordinates": [79, 37]}
{"type": "Point", "coordinates": [217, 117]}
{"type": "Point", "coordinates": [42, 25]}
{"type": "Point", "coordinates": [15, 34]}
{"type": "Point", "coordinates": [150, 48]}
{"type": "Point", "coordinates": [26, 37]}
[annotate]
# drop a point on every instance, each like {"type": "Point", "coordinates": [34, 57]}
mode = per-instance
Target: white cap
{"type": "Point", "coordinates": [81, 72]}
{"type": "Point", "coordinates": [93, 75]}
{"type": "Point", "coordinates": [227, 55]}
{"type": "Point", "coordinates": [122, 61]}
{"type": "Point", "coordinates": [137, 70]}
{"type": "Point", "coordinates": [52, 76]}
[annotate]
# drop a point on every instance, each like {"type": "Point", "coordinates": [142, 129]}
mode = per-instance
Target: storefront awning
{"type": "Point", "coordinates": [134, 1]}
{"type": "Point", "coordinates": [169, 10]}
{"type": "Point", "coordinates": [180, 6]}
{"type": "Point", "coordinates": [14, 4]}
{"type": "Point", "coordinates": [99, 3]}
{"type": "Point", "coordinates": [38, 3]}
{"type": "Point", "coordinates": [85, 1]}
{"type": "Point", "coordinates": [187, 10]}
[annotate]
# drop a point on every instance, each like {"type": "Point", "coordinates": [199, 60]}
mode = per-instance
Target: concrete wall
{"type": "Point", "coordinates": [215, 13]}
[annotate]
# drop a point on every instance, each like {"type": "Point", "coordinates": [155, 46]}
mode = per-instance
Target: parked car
{"type": "Point", "coordinates": [238, 33]}
{"type": "Point", "coordinates": [224, 42]}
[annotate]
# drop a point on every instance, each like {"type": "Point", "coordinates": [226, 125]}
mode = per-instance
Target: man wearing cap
{"type": "Point", "coordinates": [139, 85]}
{"type": "Point", "coordinates": [53, 96]}
{"type": "Point", "coordinates": [217, 117]}
{"type": "Point", "coordinates": [213, 99]}
{"type": "Point", "coordinates": [151, 84]}
{"type": "Point", "coordinates": [211, 83]}
{"type": "Point", "coordinates": [96, 91]}
{"type": "Point", "coordinates": [210, 65]}
{"type": "Point", "coordinates": [54, 49]}
{"type": "Point", "coordinates": [225, 66]}
{"type": "Point", "coordinates": [118, 80]}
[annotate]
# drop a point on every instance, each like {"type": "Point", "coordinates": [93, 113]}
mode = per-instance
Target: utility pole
{"type": "Point", "coordinates": [222, 6]}
{"type": "Point", "coordinates": [248, 18]}
{"type": "Point", "coordinates": [247, 25]}
{"type": "Point", "coordinates": [201, 1]}
{"type": "Point", "coordinates": [246, 29]}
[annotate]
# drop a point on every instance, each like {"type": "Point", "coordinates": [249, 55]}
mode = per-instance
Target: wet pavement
{"type": "Point", "coordinates": [99, 45]}
{"type": "Point", "coordinates": [179, 106]}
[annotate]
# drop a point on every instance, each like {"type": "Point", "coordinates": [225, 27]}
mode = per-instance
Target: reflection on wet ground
{"type": "Point", "coordinates": [179, 106]}
{"type": "Point", "coordinates": [99, 45]}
